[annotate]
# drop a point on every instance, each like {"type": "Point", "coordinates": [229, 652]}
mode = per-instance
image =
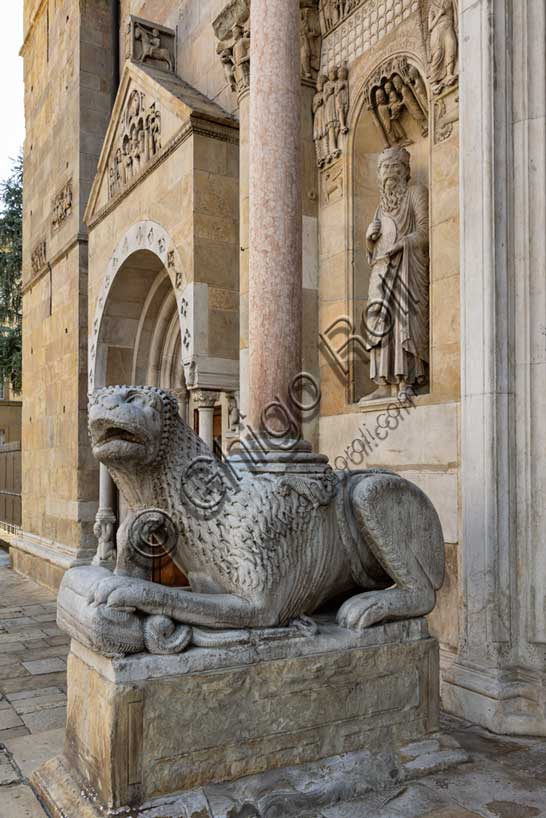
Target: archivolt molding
{"type": "Point", "coordinates": [144, 235]}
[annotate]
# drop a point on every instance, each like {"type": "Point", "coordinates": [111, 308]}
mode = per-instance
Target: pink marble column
{"type": "Point", "coordinates": [275, 275]}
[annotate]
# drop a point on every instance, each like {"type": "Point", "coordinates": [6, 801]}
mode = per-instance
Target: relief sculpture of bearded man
{"type": "Point", "coordinates": [396, 320]}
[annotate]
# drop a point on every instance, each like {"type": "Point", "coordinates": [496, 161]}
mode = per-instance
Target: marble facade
{"type": "Point", "coordinates": [136, 266]}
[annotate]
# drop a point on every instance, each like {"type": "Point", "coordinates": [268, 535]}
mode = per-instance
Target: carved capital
{"type": "Point", "coordinates": [232, 28]}
{"type": "Point", "coordinates": [204, 399]}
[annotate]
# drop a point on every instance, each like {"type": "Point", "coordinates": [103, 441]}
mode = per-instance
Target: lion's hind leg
{"type": "Point", "coordinates": [400, 527]}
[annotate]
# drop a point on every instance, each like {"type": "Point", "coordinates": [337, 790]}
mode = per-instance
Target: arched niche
{"type": "Point", "coordinates": [137, 338]}
{"type": "Point", "coordinates": [370, 138]}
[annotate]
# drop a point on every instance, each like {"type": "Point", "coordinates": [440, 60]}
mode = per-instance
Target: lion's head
{"type": "Point", "coordinates": [131, 425]}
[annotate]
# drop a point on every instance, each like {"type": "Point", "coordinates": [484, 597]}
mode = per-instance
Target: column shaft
{"type": "Point", "coordinates": [275, 279]}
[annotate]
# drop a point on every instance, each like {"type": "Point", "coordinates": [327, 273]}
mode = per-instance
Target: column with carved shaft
{"type": "Point", "coordinates": [205, 402]}
{"type": "Point", "coordinates": [105, 521]}
{"type": "Point", "coordinates": [275, 257]}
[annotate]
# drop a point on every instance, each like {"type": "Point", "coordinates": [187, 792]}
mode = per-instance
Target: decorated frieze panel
{"type": "Point", "coordinates": [38, 257]}
{"type": "Point", "coordinates": [61, 207]}
{"type": "Point", "coordinates": [330, 114]}
{"type": "Point", "coordinates": [151, 44]}
{"type": "Point", "coordinates": [396, 88]}
{"type": "Point", "coordinates": [138, 142]}
{"type": "Point", "coordinates": [333, 12]}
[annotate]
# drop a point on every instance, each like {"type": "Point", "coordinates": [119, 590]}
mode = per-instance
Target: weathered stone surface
{"type": "Point", "coordinates": [257, 558]}
{"type": "Point", "coordinates": [252, 710]}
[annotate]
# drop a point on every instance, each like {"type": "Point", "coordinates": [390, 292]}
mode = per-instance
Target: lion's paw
{"type": "Point", "coordinates": [105, 590]}
{"type": "Point", "coordinates": [361, 612]}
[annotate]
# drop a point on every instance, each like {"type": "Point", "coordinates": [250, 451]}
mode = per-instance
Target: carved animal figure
{"type": "Point", "coordinates": [277, 546]}
{"type": "Point", "coordinates": [151, 47]}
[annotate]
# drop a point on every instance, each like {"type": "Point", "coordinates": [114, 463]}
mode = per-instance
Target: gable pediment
{"type": "Point", "coordinates": [152, 111]}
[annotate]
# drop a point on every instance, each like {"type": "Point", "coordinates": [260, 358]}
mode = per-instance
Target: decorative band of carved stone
{"type": "Point", "coordinates": [184, 133]}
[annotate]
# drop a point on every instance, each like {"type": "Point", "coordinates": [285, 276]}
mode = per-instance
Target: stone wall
{"type": "Point", "coordinates": [67, 99]}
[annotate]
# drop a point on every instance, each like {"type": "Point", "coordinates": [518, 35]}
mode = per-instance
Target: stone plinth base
{"type": "Point", "coordinates": [45, 561]}
{"type": "Point", "coordinates": [508, 701]}
{"type": "Point", "coordinates": [144, 728]}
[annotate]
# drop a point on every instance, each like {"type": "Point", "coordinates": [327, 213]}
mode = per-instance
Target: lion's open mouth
{"type": "Point", "coordinates": [113, 434]}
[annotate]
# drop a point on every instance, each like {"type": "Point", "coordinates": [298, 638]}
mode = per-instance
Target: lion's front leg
{"type": "Point", "coordinates": [207, 610]}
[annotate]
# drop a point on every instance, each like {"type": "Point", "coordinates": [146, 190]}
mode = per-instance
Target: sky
{"type": "Point", "coordinates": [12, 133]}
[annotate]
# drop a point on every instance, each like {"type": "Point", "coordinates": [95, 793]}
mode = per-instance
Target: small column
{"type": "Point", "coordinates": [275, 182]}
{"type": "Point", "coordinates": [205, 402]}
{"type": "Point", "coordinates": [105, 521]}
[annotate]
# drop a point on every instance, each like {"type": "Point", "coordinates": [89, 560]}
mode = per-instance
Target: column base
{"type": "Point", "coordinates": [174, 729]}
{"type": "Point", "coordinates": [507, 702]}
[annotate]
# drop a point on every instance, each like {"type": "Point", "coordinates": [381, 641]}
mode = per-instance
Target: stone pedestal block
{"type": "Point", "coordinates": [144, 728]}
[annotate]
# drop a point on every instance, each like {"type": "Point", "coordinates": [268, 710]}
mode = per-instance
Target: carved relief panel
{"type": "Point", "coordinates": [330, 112]}
{"type": "Point", "coordinates": [38, 258]}
{"type": "Point", "coordinates": [137, 143]}
{"type": "Point", "coordinates": [151, 44]}
{"type": "Point", "coordinates": [395, 90]}
{"type": "Point", "coordinates": [61, 207]}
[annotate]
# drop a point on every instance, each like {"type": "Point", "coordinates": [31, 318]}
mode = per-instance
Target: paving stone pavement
{"type": "Point", "coordinates": [506, 777]}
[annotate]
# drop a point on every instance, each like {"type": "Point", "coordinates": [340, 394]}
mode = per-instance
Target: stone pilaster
{"type": "Point", "coordinates": [497, 678]}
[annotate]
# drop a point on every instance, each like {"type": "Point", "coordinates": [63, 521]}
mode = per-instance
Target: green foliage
{"type": "Point", "coordinates": [11, 257]}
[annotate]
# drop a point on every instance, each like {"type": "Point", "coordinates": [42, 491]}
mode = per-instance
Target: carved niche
{"type": "Point", "coordinates": [137, 143]}
{"type": "Point", "coordinates": [397, 88]}
{"type": "Point", "coordinates": [61, 207]}
{"type": "Point", "coordinates": [330, 112]}
{"type": "Point", "coordinates": [38, 258]}
{"type": "Point", "coordinates": [151, 44]}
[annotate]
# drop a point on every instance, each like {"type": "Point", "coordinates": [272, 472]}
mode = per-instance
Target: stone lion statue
{"type": "Point", "coordinates": [273, 551]}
